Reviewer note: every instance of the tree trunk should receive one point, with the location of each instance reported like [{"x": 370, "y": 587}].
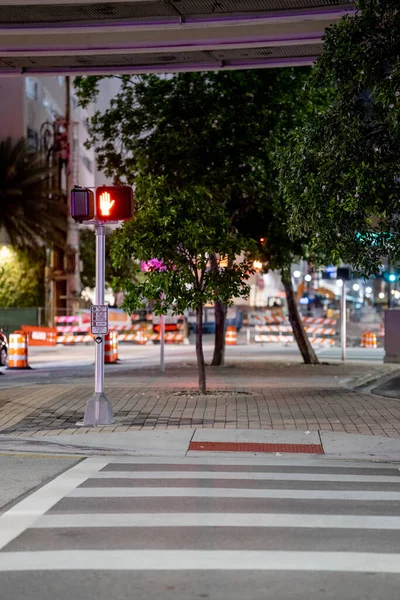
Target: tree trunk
[
  {"x": 199, "y": 350},
  {"x": 307, "y": 352},
  {"x": 219, "y": 346}
]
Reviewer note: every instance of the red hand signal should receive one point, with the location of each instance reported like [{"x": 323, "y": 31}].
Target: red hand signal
[{"x": 106, "y": 204}]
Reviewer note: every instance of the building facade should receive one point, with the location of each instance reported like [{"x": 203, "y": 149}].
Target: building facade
[{"x": 45, "y": 111}]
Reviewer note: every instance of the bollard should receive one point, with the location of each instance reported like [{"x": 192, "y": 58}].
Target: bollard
[
  {"x": 230, "y": 336},
  {"x": 18, "y": 351}
]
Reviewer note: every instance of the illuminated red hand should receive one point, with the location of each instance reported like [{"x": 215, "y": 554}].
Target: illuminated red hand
[{"x": 106, "y": 204}]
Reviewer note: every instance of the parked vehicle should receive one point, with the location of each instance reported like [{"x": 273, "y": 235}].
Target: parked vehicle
[{"x": 3, "y": 349}]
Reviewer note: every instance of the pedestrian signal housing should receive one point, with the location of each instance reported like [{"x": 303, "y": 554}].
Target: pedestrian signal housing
[
  {"x": 82, "y": 204},
  {"x": 114, "y": 203}
]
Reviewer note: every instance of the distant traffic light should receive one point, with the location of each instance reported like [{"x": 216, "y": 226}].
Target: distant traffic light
[
  {"x": 114, "y": 203},
  {"x": 391, "y": 277},
  {"x": 82, "y": 204}
]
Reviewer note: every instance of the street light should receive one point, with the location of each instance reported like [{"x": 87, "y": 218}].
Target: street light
[
  {"x": 5, "y": 252},
  {"x": 307, "y": 277},
  {"x": 368, "y": 290},
  {"x": 257, "y": 264},
  {"x": 381, "y": 295},
  {"x": 296, "y": 274},
  {"x": 392, "y": 277},
  {"x": 356, "y": 287}
]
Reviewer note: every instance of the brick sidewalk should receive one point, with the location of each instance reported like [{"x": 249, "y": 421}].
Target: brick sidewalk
[{"x": 257, "y": 396}]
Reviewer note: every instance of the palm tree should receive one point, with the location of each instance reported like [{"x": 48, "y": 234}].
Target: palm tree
[{"x": 31, "y": 212}]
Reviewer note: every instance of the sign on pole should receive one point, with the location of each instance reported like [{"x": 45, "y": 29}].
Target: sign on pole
[{"x": 99, "y": 319}]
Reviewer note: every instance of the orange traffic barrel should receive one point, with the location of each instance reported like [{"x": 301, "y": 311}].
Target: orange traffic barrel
[
  {"x": 230, "y": 335},
  {"x": 368, "y": 339},
  {"x": 18, "y": 350},
  {"x": 111, "y": 347},
  {"x": 141, "y": 337}
]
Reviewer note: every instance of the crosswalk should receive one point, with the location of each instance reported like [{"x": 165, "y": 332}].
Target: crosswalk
[{"x": 266, "y": 516}]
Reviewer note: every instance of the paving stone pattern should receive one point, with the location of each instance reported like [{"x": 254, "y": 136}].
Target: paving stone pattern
[{"x": 287, "y": 398}]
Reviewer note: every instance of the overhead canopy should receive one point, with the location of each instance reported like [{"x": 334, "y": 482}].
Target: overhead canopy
[{"x": 141, "y": 36}]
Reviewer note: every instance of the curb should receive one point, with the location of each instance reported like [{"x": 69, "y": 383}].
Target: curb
[
  {"x": 337, "y": 446},
  {"x": 355, "y": 383}
]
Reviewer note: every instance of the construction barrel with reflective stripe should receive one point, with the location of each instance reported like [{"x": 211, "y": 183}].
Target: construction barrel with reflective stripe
[
  {"x": 230, "y": 336},
  {"x": 18, "y": 350},
  {"x": 368, "y": 339},
  {"x": 111, "y": 347}
]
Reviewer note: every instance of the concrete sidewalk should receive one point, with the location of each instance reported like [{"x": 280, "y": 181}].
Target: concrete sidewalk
[
  {"x": 202, "y": 443},
  {"x": 263, "y": 396}
]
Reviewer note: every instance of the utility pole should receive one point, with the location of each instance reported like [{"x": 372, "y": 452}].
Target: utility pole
[
  {"x": 72, "y": 253},
  {"x": 343, "y": 321}
]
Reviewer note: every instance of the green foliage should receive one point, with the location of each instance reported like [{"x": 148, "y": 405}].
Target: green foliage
[
  {"x": 22, "y": 279},
  {"x": 183, "y": 229},
  {"x": 30, "y": 211},
  {"x": 218, "y": 130},
  {"x": 87, "y": 251},
  {"x": 340, "y": 174}
]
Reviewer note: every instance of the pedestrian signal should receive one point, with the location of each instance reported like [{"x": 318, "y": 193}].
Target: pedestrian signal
[
  {"x": 82, "y": 204},
  {"x": 114, "y": 203}
]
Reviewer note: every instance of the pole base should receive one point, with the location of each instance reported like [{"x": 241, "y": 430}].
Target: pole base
[{"x": 98, "y": 411}]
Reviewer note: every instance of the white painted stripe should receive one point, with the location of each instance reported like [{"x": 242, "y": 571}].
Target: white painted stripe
[
  {"x": 261, "y": 461},
  {"x": 180, "y": 492},
  {"x": 304, "y": 477},
  {"x": 24, "y": 514},
  {"x": 217, "y": 520},
  {"x": 199, "y": 560}
]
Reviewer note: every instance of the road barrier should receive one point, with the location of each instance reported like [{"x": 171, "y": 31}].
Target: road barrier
[
  {"x": 231, "y": 335},
  {"x": 276, "y": 330},
  {"x": 18, "y": 351},
  {"x": 40, "y": 336},
  {"x": 74, "y": 339},
  {"x": 73, "y": 330}
]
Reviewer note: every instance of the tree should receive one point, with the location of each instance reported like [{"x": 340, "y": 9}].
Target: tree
[
  {"x": 340, "y": 176},
  {"x": 30, "y": 211},
  {"x": 181, "y": 229},
  {"x": 21, "y": 278},
  {"x": 218, "y": 130}
]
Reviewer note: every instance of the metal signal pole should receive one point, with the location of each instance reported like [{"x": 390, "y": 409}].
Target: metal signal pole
[{"x": 98, "y": 408}]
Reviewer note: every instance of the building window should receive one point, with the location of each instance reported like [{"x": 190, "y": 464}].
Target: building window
[
  {"x": 32, "y": 139},
  {"x": 31, "y": 88},
  {"x": 88, "y": 163}
]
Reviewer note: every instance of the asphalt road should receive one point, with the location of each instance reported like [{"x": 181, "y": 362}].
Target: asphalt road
[
  {"x": 262, "y": 528},
  {"x": 63, "y": 362},
  {"x": 22, "y": 472}
]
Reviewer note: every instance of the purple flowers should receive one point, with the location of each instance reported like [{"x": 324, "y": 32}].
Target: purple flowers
[{"x": 153, "y": 265}]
